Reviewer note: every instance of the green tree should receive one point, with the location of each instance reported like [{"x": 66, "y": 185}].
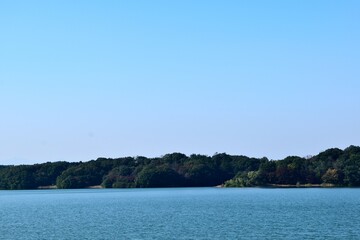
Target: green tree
[
  {"x": 162, "y": 176},
  {"x": 352, "y": 171},
  {"x": 332, "y": 176},
  {"x": 120, "y": 177}
]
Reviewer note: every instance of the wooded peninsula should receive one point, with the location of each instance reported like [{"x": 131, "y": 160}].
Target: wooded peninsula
[{"x": 333, "y": 167}]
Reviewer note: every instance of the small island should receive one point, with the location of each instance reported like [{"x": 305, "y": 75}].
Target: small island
[{"x": 331, "y": 168}]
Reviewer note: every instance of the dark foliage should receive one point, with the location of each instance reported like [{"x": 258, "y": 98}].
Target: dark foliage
[{"x": 333, "y": 166}]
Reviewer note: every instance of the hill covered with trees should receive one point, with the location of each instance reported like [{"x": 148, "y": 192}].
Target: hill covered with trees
[{"x": 333, "y": 167}]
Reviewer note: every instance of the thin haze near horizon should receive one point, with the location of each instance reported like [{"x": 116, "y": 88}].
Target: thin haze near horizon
[{"x": 87, "y": 79}]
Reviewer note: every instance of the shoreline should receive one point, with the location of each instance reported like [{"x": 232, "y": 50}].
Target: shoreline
[
  {"x": 273, "y": 186},
  {"x": 217, "y": 186},
  {"x": 324, "y": 185}
]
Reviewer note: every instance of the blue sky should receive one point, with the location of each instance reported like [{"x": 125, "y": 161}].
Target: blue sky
[{"x": 86, "y": 79}]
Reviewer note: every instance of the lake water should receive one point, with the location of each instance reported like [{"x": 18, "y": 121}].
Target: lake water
[{"x": 182, "y": 213}]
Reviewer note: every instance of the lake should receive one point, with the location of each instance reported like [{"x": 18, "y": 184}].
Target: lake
[{"x": 181, "y": 213}]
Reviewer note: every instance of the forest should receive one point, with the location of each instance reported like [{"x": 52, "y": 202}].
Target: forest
[{"x": 333, "y": 167}]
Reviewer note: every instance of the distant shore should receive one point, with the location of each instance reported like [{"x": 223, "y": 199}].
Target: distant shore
[
  {"x": 324, "y": 185},
  {"x": 222, "y": 186},
  {"x": 331, "y": 168},
  {"x": 55, "y": 187}
]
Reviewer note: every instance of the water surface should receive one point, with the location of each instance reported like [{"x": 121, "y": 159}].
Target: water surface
[{"x": 181, "y": 213}]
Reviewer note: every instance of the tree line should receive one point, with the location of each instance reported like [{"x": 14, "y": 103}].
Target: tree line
[{"x": 333, "y": 167}]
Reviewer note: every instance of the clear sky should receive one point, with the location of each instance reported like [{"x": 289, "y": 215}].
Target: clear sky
[{"x": 87, "y": 79}]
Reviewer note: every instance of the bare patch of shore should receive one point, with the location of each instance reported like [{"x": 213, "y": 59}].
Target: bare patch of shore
[
  {"x": 48, "y": 187},
  {"x": 95, "y": 187},
  {"x": 301, "y": 185}
]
